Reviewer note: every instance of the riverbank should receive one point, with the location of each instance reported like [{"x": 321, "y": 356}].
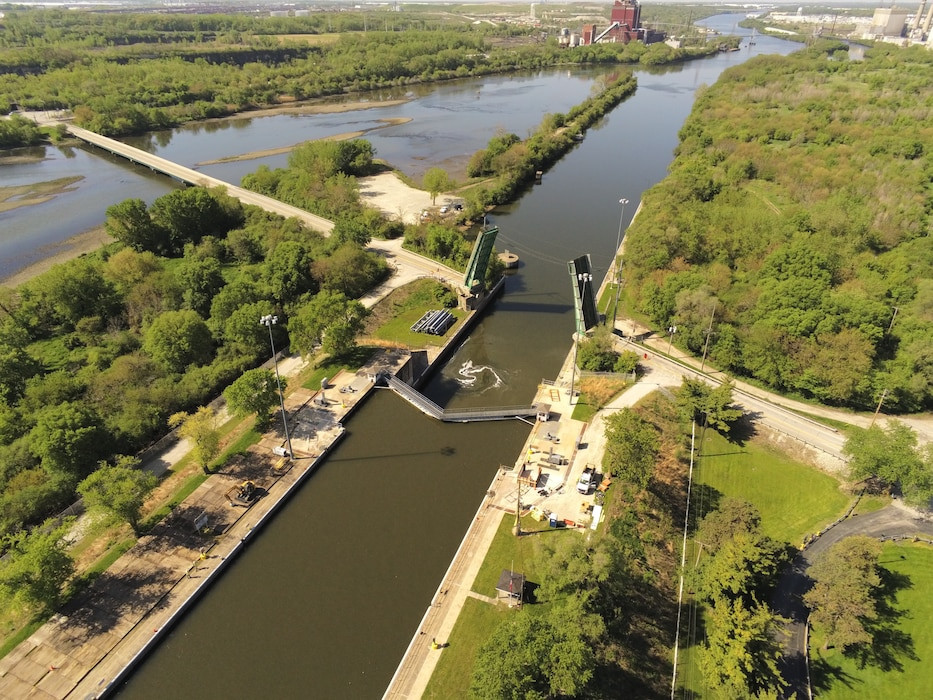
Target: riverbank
[
  {"x": 103, "y": 633},
  {"x": 385, "y": 192},
  {"x": 63, "y": 251}
]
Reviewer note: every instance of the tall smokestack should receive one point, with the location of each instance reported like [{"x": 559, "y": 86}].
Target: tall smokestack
[
  {"x": 928, "y": 21},
  {"x": 919, "y": 16}
]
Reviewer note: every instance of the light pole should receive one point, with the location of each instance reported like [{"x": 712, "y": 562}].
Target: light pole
[
  {"x": 672, "y": 329},
  {"x": 582, "y": 278},
  {"x": 615, "y": 259},
  {"x": 268, "y": 321}
]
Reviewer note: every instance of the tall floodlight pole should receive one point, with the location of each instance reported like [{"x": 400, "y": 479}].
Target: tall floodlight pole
[
  {"x": 671, "y": 329},
  {"x": 583, "y": 279},
  {"x": 618, "y": 266},
  {"x": 268, "y": 321}
]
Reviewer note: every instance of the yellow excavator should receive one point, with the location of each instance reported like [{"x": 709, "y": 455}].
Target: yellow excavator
[{"x": 243, "y": 493}]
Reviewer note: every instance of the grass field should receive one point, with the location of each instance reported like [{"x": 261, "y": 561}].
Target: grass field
[
  {"x": 329, "y": 366},
  {"x": 510, "y": 552},
  {"x": 794, "y": 499},
  {"x": 398, "y": 331},
  {"x": 391, "y": 319},
  {"x": 478, "y": 619},
  {"x": 910, "y": 657},
  {"x": 474, "y": 625}
]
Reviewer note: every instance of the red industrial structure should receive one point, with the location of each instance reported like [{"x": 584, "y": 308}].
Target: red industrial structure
[{"x": 624, "y": 26}]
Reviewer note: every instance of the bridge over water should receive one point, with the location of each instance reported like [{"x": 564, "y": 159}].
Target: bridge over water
[
  {"x": 407, "y": 265},
  {"x": 193, "y": 177},
  {"x": 428, "y": 407}
]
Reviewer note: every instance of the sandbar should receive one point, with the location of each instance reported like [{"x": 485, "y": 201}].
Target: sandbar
[
  {"x": 62, "y": 251},
  {"x": 252, "y": 155},
  {"x": 17, "y": 196}
]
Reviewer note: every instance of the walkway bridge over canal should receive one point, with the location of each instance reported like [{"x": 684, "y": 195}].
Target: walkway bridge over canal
[{"x": 467, "y": 415}]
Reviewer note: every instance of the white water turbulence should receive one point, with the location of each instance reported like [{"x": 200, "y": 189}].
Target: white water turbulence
[{"x": 480, "y": 377}]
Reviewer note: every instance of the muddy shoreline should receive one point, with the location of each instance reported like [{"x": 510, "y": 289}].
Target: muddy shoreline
[
  {"x": 93, "y": 239},
  {"x": 62, "y": 251}
]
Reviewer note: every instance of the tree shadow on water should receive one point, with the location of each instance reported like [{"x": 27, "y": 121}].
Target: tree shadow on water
[{"x": 889, "y": 645}]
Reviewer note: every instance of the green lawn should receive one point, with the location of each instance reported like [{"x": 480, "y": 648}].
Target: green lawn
[
  {"x": 516, "y": 553},
  {"x": 392, "y": 318},
  {"x": 330, "y": 366},
  {"x": 398, "y": 330},
  {"x": 869, "y": 503},
  {"x": 836, "y": 677},
  {"x": 478, "y": 619},
  {"x": 474, "y": 625},
  {"x": 794, "y": 499}
]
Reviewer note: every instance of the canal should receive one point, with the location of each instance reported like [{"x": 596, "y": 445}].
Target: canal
[{"x": 325, "y": 600}]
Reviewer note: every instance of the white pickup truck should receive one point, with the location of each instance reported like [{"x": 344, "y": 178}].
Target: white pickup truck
[{"x": 586, "y": 480}]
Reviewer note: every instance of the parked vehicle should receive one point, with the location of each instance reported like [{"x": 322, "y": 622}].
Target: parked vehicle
[{"x": 586, "y": 480}]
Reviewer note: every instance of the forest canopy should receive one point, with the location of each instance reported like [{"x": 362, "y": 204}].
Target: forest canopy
[
  {"x": 797, "y": 214},
  {"x": 99, "y": 352},
  {"x": 131, "y": 73}
]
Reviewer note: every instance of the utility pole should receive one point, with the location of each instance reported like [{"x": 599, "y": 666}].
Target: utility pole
[
  {"x": 709, "y": 332},
  {"x": 671, "y": 329},
  {"x": 878, "y": 409},
  {"x": 893, "y": 316}
]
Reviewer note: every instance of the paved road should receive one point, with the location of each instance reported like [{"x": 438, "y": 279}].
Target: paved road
[
  {"x": 194, "y": 177},
  {"x": 760, "y": 405},
  {"x": 893, "y": 521}
]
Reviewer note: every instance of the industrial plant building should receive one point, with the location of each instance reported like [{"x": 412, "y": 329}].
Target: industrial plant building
[{"x": 624, "y": 26}]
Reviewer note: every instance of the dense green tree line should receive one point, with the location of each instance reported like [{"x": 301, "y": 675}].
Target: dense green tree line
[
  {"x": 740, "y": 653},
  {"x": 797, "y": 214},
  {"x": 603, "y": 618},
  {"x": 845, "y": 596},
  {"x": 18, "y": 131},
  {"x": 132, "y": 73},
  {"x": 99, "y": 352},
  {"x": 891, "y": 458}
]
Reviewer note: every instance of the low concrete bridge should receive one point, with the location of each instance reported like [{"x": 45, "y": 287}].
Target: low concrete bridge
[
  {"x": 469, "y": 415},
  {"x": 406, "y": 264},
  {"x": 193, "y": 177}
]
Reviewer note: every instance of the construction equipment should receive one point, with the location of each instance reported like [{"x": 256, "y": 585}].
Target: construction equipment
[{"x": 244, "y": 493}]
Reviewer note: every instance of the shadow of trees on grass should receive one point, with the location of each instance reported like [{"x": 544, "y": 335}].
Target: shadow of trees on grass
[{"x": 890, "y": 646}]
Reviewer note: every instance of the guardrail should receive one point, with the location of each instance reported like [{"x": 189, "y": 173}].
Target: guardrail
[
  {"x": 465, "y": 415},
  {"x": 697, "y": 374}
]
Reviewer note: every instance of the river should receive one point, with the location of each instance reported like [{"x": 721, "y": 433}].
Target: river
[{"x": 325, "y": 600}]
